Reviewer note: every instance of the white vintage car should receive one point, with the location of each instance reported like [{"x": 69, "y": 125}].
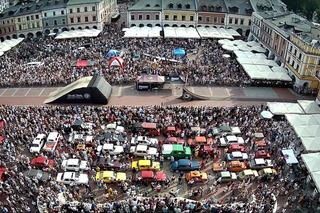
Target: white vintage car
[
  {"x": 114, "y": 127},
  {"x": 230, "y": 139},
  {"x": 74, "y": 164},
  {"x": 144, "y": 140},
  {"x": 142, "y": 150},
  {"x": 72, "y": 178},
  {"x": 38, "y": 143},
  {"x": 226, "y": 176},
  {"x": 52, "y": 142},
  {"x": 110, "y": 148},
  {"x": 237, "y": 156}
]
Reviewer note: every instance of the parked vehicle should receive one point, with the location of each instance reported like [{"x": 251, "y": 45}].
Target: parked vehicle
[
  {"x": 38, "y": 143},
  {"x": 197, "y": 176},
  {"x": 142, "y": 150},
  {"x": 237, "y": 156},
  {"x": 37, "y": 174},
  {"x": 72, "y": 178},
  {"x": 236, "y": 166},
  {"x": 74, "y": 164},
  {"x": 230, "y": 139},
  {"x": 176, "y": 150},
  {"x": 267, "y": 172},
  {"x": 219, "y": 166},
  {"x": 260, "y": 163},
  {"x": 248, "y": 173},
  {"x": 172, "y": 131},
  {"x": 110, "y": 149},
  {"x": 52, "y": 142},
  {"x": 236, "y": 148},
  {"x": 144, "y": 140},
  {"x": 185, "y": 165},
  {"x": 149, "y": 176},
  {"x": 226, "y": 176},
  {"x": 111, "y": 176},
  {"x": 43, "y": 162},
  {"x": 145, "y": 165},
  {"x": 262, "y": 154},
  {"x": 175, "y": 140},
  {"x": 198, "y": 140}
]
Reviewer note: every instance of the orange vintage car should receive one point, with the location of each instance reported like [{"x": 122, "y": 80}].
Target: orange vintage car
[
  {"x": 198, "y": 140},
  {"x": 219, "y": 166},
  {"x": 172, "y": 131},
  {"x": 151, "y": 129},
  {"x": 261, "y": 144},
  {"x": 197, "y": 176},
  {"x": 236, "y": 166}
]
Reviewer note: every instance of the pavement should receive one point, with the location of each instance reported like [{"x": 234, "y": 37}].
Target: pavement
[{"x": 129, "y": 96}]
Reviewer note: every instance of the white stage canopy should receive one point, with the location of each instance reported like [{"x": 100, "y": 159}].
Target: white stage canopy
[
  {"x": 78, "y": 34},
  {"x": 312, "y": 162},
  {"x": 309, "y": 107},
  {"x": 282, "y": 108},
  {"x": 9, "y": 44},
  {"x": 264, "y": 72},
  {"x": 311, "y": 144},
  {"x": 305, "y": 125},
  {"x": 210, "y": 32},
  {"x": 243, "y": 46},
  {"x": 180, "y": 32},
  {"x": 142, "y": 32}
]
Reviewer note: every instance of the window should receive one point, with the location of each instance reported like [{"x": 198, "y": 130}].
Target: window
[
  {"x": 71, "y": 20},
  {"x": 132, "y": 17},
  {"x": 300, "y": 56},
  {"x": 241, "y": 21},
  {"x": 222, "y": 20},
  {"x": 70, "y": 11},
  {"x": 28, "y": 19},
  {"x": 183, "y": 18},
  {"x": 298, "y": 67},
  {"x": 215, "y": 19},
  {"x": 295, "y": 52},
  {"x": 20, "y": 28},
  {"x": 230, "y": 20},
  {"x": 47, "y": 24},
  {"x": 54, "y": 13},
  {"x": 166, "y": 17},
  {"x": 33, "y": 26},
  {"x": 86, "y": 19},
  {"x": 94, "y": 18},
  {"x": 319, "y": 62},
  {"x": 93, "y": 8},
  {"x": 207, "y": 19},
  {"x": 191, "y": 18},
  {"x": 62, "y": 12},
  {"x": 157, "y": 17},
  {"x": 175, "y": 18},
  {"x": 78, "y": 10},
  {"x": 200, "y": 18},
  {"x": 148, "y": 17},
  {"x": 236, "y": 21},
  {"x": 63, "y": 21},
  {"x": 45, "y": 14},
  {"x": 290, "y": 50},
  {"x": 79, "y": 19},
  {"x": 37, "y": 16},
  {"x": 85, "y": 9},
  {"x": 249, "y": 22},
  {"x": 19, "y": 19},
  {"x": 140, "y": 17},
  {"x": 55, "y": 22}
]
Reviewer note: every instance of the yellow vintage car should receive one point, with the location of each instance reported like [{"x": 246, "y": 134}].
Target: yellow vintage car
[
  {"x": 145, "y": 165},
  {"x": 197, "y": 176},
  {"x": 267, "y": 171},
  {"x": 111, "y": 176}
]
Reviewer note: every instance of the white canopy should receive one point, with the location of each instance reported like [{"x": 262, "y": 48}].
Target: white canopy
[
  {"x": 311, "y": 144},
  {"x": 312, "y": 162},
  {"x": 8, "y": 44},
  {"x": 264, "y": 72},
  {"x": 78, "y": 34},
  {"x": 180, "y": 32},
  {"x": 305, "y": 125},
  {"x": 289, "y": 156},
  {"x": 210, "y": 32},
  {"x": 279, "y": 108},
  {"x": 142, "y": 32},
  {"x": 309, "y": 107},
  {"x": 244, "y": 46},
  {"x": 316, "y": 179}
]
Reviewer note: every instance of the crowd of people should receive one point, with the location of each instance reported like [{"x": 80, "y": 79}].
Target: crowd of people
[
  {"x": 203, "y": 65},
  {"x": 19, "y": 193}
]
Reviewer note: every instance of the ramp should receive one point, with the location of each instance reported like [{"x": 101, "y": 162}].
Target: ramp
[
  {"x": 189, "y": 95},
  {"x": 87, "y": 90}
]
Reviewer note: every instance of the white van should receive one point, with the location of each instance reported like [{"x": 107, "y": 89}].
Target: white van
[{"x": 37, "y": 143}]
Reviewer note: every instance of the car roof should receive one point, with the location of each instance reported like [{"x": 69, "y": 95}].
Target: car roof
[
  {"x": 142, "y": 147},
  {"x": 39, "y": 159},
  {"x": 108, "y": 146},
  {"x": 237, "y": 154},
  {"x": 259, "y": 161},
  {"x": 225, "y": 174},
  {"x": 184, "y": 162},
  {"x": 73, "y": 161},
  {"x": 177, "y": 147},
  {"x": 53, "y": 135},
  {"x": 149, "y": 125},
  {"x": 147, "y": 174},
  {"x": 144, "y": 162},
  {"x": 68, "y": 174},
  {"x": 108, "y": 174}
]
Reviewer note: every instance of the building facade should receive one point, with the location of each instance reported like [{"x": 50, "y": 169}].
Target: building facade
[
  {"x": 145, "y": 13},
  {"x": 4, "y": 4},
  {"x": 54, "y": 16},
  {"x": 7, "y": 24},
  {"x": 211, "y": 13}
]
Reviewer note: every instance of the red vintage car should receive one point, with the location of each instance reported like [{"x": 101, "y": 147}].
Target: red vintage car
[
  {"x": 149, "y": 176},
  {"x": 198, "y": 140},
  {"x": 172, "y": 131},
  {"x": 175, "y": 140},
  {"x": 236, "y": 148},
  {"x": 43, "y": 162},
  {"x": 151, "y": 129},
  {"x": 262, "y": 154}
]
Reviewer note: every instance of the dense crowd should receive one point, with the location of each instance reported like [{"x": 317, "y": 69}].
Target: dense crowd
[
  {"x": 19, "y": 193},
  {"x": 203, "y": 65}
]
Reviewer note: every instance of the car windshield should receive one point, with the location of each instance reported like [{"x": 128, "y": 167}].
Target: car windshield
[{"x": 34, "y": 145}]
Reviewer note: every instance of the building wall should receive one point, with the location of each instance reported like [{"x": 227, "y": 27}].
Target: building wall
[
  {"x": 211, "y": 18},
  {"x": 173, "y": 17},
  {"x": 55, "y": 19},
  {"x": 31, "y": 23},
  {"x": 241, "y": 23},
  {"x": 139, "y": 18},
  {"x": 7, "y": 28},
  {"x": 3, "y": 5},
  {"x": 83, "y": 16}
]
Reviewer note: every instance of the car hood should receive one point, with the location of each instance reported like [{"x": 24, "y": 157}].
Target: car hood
[{"x": 83, "y": 178}]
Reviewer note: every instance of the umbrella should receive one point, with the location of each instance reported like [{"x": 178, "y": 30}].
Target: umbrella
[{"x": 266, "y": 114}]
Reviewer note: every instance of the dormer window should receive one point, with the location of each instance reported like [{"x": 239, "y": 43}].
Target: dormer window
[
  {"x": 179, "y": 6},
  {"x": 170, "y": 5},
  {"x": 219, "y": 8},
  {"x": 188, "y": 6},
  {"x": 204, "y": 8},
  {"x": 157, "y": 5},
  {"x": 211, "y": 8},
  {"x": 148, "y": 5}
]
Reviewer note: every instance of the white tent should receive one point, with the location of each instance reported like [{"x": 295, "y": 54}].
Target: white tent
[
  {"x": 289, "y": 156},
  {"x": 9, "y": 44},
  {"x": 316, "y": 179},
  {"x": 78, "y": 34},
  {"x": 180, "y": 32},
  {"x": 309, "y": 107},
  {"x": 210, "y": 32},
  {"x": 142, "y": 32},
  {"x": 312, "y": 161},
  {"x": 311, "y": 144},
  {"x": 279, "y": 108},
  {"x": 302, "y": 120},
  {"x": 263, "y": 72}
]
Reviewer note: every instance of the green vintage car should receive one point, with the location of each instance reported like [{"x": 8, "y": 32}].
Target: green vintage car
[{"x": 176, "y": 150}]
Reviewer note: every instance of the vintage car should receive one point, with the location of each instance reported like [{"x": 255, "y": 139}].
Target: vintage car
[
  {"x": 260, "y": 163},
  {"x": 237, "y": 156},
  {"x": 2, "y": 174},
  {"x": 145, "y": 165},
  {"x": 267, "y": 172},
  {"x": 142, "y": 150},
  {"x": 78, "y": 138},
  {"x": 114, "y": 127},
  {"x": 230, "y": 139},
  {"x": 236, "y": 166},
  {"x": 149, "y": 176},
  {"x": 144, "y": 140},
  {"x": 236, "y": 148},
  {"x": 175, "y": 150},
  {"x": 248, "y": 173},
  {"x": 43, "y": 162},
  {"x": 226, "y": 176},
  {"x": 175, "y": 140},
  {"x": 198, "y": 130},
  {"x": 262, "y": 154},
  {"x": 110, "y": 148},
  {"x": 258, "y": 136},
  {"x": 260, "y": 144},
  {"x": 172, "y": 131},
  {"x": 111, "y": 176},
  {"x": 74, "y": 164},
  {"x": 151, "y": 129},
  {"x": 197, "y": 176},
  {"x": 206, "y": 150},
  {"x": 198, "y": 140},
  {"x": 37, "y": 174},
  {"x": 103, "y": 164},
  {"x": 219, "y": 166},
  {"x": 37, "y": 143},
  {"x": 52, "y": 142},
  {"x": 85, "y": 147},
  {"x": 72, "y": 178},
  {"x": 185, "y": 165}
]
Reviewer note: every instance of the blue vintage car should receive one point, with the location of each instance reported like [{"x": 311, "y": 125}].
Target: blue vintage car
[{"x": 185, "y": 165}]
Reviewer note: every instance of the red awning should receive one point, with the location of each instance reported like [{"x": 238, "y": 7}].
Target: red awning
[{"x": 82, "y": 63}]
